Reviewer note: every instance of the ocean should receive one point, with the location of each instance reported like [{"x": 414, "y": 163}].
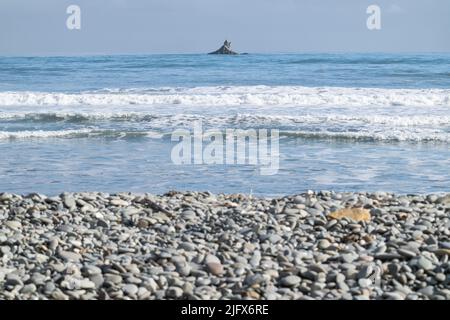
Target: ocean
[{"x": 346, "y": 122}]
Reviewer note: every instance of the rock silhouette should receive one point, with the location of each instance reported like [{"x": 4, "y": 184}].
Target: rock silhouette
[{"x": 225, "y": 49}]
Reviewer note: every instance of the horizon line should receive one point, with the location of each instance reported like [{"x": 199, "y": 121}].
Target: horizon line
[{"x": 244, "y": 53}]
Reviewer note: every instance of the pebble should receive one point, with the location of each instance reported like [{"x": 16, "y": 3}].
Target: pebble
[
  {"x": 364, "y": 283},
  {"x": 29, "y": 288},
  {"x": 70, "y": 256},
  {"x": 130, "y": 289},
  {"x": 407, "y": 253},
  {"x": 90, "y": 270},
  {"x": 13, "y": 224},
  {"x": 70, "y": 203},
  {"x": 365, "y": 271},
  {"x": 393, "y": 296},
  {"x": 187, "y": 246},
  {"x": 348, "y": 258},
  {"x": 427, "y": 291},
  {"x": 324, "y": 244},
  {"x": 119, "y": 203},
  {"x": 13, "y": 280},
  {"x": 290, "y": 281},
  {"x": 441, "y": 277},
  {"x": 424, "y": 263},
  {"x": 174, "y": 292},
  {"x": 97, "y": 279},
  {"x": 198, "y": 245},
  {"x": 215, "y": 268},
  {"x": 113, "y": 278},
  {"x": 102, "y": 223},
  {"x": 143, "y": 223}
]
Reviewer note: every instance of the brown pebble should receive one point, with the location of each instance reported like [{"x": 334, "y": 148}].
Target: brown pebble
[
  {"x": 215, "y": 268},
  {"x": 142, "y": 223},
  {"x": 357, "y": 214}
]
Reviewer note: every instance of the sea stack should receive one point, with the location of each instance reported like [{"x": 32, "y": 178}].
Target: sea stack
[{"x": 225, "y": 49}]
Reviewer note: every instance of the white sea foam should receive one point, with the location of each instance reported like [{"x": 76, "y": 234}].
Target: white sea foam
[
  {"x": 334, "y": 126},
  {"x": 374, "y": 136},
  {"x": 77, "y": 133},
  {"x": 234, "y": 119},
  {"x": 397, "y": 135},
  {"x": 42, "y": 134},
  {"x": 235, "y": 96},
  {"x": 314, "y": 113}
]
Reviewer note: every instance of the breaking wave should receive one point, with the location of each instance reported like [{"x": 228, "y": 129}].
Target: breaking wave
[{"x": 234, "y": 96}]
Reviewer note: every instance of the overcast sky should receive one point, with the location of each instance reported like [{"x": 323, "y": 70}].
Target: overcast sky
[{"x": 191, "y": 26}]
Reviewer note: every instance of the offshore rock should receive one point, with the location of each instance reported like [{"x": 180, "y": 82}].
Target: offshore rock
[{"x": 225, "y": 49}]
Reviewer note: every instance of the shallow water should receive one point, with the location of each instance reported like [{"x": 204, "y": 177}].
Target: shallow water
[{"x": 347, "y": 122}]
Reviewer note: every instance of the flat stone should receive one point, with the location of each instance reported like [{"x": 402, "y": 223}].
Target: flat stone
[
  {"x": 28, "y": 288},
  {"x": 130, "y": 289},
  {"x": 97, "y": 279},
  {"x": 427, "y": 291},
  {"x": 441, "y": 277},
  {"x": 442, "y": 252},
  {"x": 393, "y": 296},
  {"x": 365, "y": 272},
  {"x": 90, "y": 270},
  {"x": 143, "y": 223},
  {"x": 324, "y": 244},
  {"x": 113, "y": 278},
  {"x": 388, "y": 256},
  {"x": 364, "y": 283},
  {"x": 13, "y": 224},
  {"x": 69, "y": 203},
  {"x": 70, "y": 256},
  {"x": 291, "y": 211},
  {"x": 299, "y": 200},
  {"x": 188, "y": 215},
  {"x": 102, "y": 223},
  {"x": 119, "y": 203},
  {"x": 349, "y": 257},
  {"x": 38, "y": 278},
  {"x": 275, "y": 238},
  {"x": 212, "y": 259},
  {"x": 290, "y": 281},
  {"x": 215, "y": 268},
  {"x": 188, "y": 246},
  {"x": 407, "y": 253},
  {"x": 87, "y": 284},
  {"x": 13, "y": 280},
  {"x": 357, "y": 214},
  {"x": 424, "y": 263}
]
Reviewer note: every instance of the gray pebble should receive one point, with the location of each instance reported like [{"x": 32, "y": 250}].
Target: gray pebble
[{"x": 290, "y": 281}]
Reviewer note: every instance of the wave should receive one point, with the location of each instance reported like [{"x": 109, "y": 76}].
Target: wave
[
  {"x": 18, "y": 135},
  {"x": 234, "y": 96},
  {"x": 323, "y": 135},
  {"x": 393, "y": 136},
  {"x": 227, "y": 120},
  {"x": 360, "y": 127},
  {"x": 81, "y": 133}
]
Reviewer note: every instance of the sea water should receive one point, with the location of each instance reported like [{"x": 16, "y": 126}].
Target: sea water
[{"x": 347, "y": 122}]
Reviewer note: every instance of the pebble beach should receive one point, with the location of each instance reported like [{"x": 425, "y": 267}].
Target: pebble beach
[{"x": 199, "y": 245}]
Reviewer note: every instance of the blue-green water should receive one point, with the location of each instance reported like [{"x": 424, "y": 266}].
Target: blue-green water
[{"x": 347, "y": 121}]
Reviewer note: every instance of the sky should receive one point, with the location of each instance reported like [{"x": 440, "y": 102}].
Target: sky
[{"x": 197, "y": 26}]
